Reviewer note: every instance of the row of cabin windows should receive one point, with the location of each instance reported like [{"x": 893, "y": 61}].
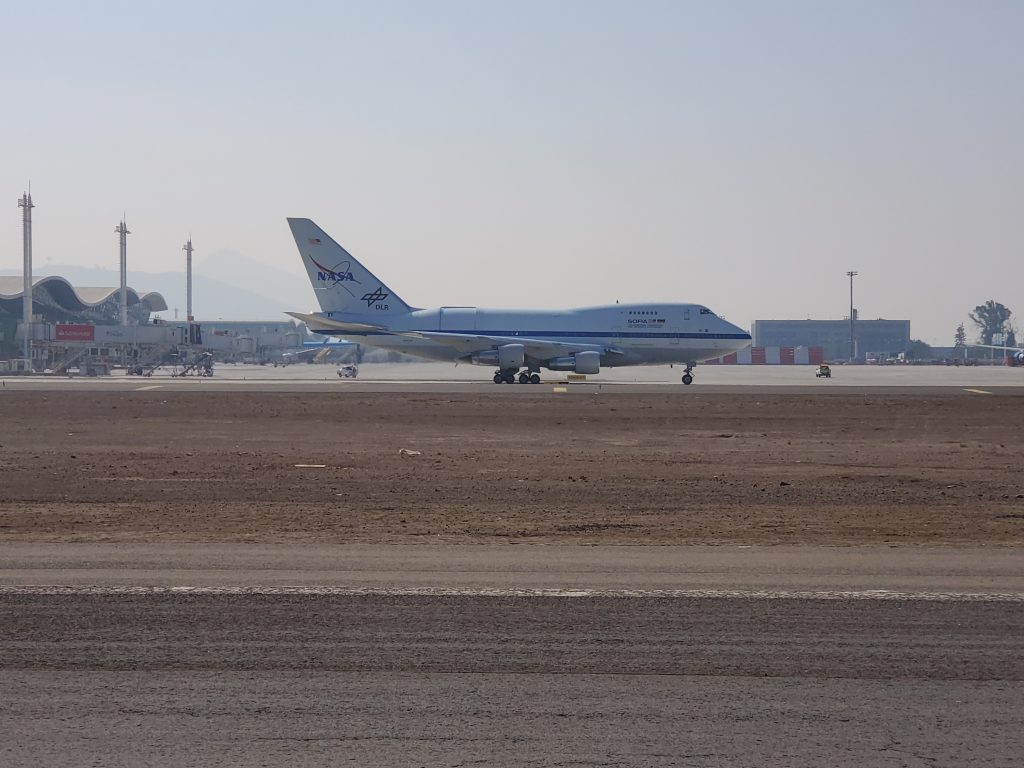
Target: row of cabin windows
[{"x": 641, "y": 312}]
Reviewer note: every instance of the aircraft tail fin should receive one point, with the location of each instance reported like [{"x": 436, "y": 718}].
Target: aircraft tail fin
[{"x": 340, "y": 282}]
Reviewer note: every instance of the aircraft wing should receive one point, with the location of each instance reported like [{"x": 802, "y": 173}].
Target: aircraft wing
[
  {"x": 994, "y": 346},
  {"x": 539, "y": 348},
  {"x": 467, "y": 342}
]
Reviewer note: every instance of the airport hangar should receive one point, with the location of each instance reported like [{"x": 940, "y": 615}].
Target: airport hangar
[{"x": 871, "y": 337}]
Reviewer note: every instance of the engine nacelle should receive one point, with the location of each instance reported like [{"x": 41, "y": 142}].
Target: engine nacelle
[
  {"x": 588, "y": 362},
  {"x": 581, "y": 362},
  {"x": 506, "y": 356},
  {"x": 511, "y": 356}
]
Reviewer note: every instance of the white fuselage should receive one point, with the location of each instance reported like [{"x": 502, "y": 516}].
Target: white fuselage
[{"x": 624, "y": 334}]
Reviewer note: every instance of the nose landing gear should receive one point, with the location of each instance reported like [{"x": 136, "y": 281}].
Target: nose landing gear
[{"x": 688, "y": 374}]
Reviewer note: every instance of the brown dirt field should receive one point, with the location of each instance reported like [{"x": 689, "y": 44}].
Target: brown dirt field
[{"x": 605, "y": 469}]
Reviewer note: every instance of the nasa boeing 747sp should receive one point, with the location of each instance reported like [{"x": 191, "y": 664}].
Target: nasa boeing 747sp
[{"x": 518, "y": 343}]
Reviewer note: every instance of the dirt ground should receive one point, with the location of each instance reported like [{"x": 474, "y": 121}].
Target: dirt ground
[{"x": 608, "y": 469}]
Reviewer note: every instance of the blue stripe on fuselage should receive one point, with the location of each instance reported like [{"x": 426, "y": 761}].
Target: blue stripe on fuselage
[{"x": 558, "y": 334}]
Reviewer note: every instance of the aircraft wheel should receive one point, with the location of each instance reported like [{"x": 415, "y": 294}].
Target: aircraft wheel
[
  {"x": 687, "y": 379},
  {"x": 534, "y": 378},
  {"x": 510, "y": 377},
  {"x": 524, "y": 378},
  {"x": 498, "y": 378}
]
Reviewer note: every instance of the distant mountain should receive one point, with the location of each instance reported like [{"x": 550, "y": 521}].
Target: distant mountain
[
  {"x": 239, "y": 294},
  {"x": 290, "y": 287}
]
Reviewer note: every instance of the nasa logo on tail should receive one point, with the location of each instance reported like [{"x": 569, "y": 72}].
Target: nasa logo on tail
[{"x": 339, "y": 274}]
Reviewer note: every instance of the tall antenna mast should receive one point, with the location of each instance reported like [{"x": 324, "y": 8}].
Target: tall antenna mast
[
  {"x": 122, "y": 230},
  {"x": 188, "y": 278},
  {"x": 25, "y": 203},
  {"x": 853, "y": 316}
]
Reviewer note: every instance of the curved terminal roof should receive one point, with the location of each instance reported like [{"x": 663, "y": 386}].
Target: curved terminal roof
[{"x": 75, "y": 299}]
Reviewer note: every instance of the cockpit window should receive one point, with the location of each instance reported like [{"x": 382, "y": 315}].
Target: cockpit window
[{"x": 706, "y": 311}]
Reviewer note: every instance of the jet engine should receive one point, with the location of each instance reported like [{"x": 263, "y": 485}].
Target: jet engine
[
  {"x": 511, "y": 356},
  {"x": 581, "y": 362},
  {"x": 505, "y": 357}
]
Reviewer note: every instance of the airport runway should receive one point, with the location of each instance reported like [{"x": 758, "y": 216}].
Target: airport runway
[
  {"x": 436, "y": 569},
  {"x": 626, "y": 656},
  {"x": 242, "y": 655},
  {"x": 440, "y": 378}
]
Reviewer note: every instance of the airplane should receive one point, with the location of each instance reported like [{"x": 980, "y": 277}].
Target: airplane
[
  {"x": 317, "y": 351},
  {"x": 305, "y": 355},
  {"x": 517, "y": 342},
  {"x": 1017, "y": 356}
]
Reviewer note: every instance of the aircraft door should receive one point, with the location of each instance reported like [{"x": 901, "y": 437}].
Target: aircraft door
[
  {"x": 458, "y": 319},
  {"x": 621, "y": 325}
]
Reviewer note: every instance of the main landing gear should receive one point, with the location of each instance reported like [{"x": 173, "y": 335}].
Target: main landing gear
[
  {"x": 508, "y": 376},
  {"x": 688, "y": 374}
]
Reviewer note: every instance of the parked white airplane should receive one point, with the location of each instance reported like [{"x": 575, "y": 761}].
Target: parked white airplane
[
  {"x": 1018, "y": 352},
  {"x": 359, "y": 306}
]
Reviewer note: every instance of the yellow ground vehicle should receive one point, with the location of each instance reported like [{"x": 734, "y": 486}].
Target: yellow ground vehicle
[{"x": 823, "y": 372}]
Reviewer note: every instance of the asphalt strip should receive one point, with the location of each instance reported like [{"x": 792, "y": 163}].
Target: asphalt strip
[{"x": 729, "y": 594}]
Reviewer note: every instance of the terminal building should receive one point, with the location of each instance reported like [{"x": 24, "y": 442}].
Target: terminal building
[
  {"x": 49, "y": 325},
  {"x": 883, "y": 338},
  {"x": 75, "y": 324},
  {"x": 76, "y": 327}
]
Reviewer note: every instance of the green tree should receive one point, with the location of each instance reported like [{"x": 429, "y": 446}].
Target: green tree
[
  {"x": 991, "y": 318},
  {"x": 960, "y": 340},
  {"x": 918, "y": 350}
]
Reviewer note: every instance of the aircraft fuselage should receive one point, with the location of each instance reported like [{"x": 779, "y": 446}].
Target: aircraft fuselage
[{"x": 624, "y": 334}]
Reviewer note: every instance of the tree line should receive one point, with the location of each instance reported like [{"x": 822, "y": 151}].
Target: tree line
[{"x": 992, "y": 320}]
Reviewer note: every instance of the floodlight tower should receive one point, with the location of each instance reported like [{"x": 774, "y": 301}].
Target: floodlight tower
[
  {"x": 25, "y": 203},
  {"x": 188, "y": 278},
  {"x": 853, "y": 343},
  {"x": 122, "y": 231}
]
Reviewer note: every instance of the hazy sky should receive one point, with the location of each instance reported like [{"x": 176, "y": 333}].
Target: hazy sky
[{"x": 539, "y": 154}]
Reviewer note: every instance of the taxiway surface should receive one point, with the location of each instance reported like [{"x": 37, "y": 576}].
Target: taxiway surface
[
  {"x": 440, "y": 378},
  {"x": 191, "y": 655},
  {"x": 433, "y": 569},
  {"x": 191, "y": 679}
]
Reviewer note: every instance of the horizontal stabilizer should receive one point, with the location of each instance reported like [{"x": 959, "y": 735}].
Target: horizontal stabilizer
[{"x": 321, "y": 323}]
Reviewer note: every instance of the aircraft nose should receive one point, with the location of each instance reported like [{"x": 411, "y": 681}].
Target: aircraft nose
[{"x": 742, "y": 337}]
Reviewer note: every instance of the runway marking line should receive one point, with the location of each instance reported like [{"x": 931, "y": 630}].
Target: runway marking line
[
  {"x": 151, "y": 386},
  {"x": 978, "y": 391},
  {"x": 560, "y": 389}
]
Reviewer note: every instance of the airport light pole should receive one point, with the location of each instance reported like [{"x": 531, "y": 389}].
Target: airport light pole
[
  {"x": 188, "y": 278},
  {"x": 122, "y": 231},
  {"x": 25, "y": 203},
  {"x": 853, "y": 344}
]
